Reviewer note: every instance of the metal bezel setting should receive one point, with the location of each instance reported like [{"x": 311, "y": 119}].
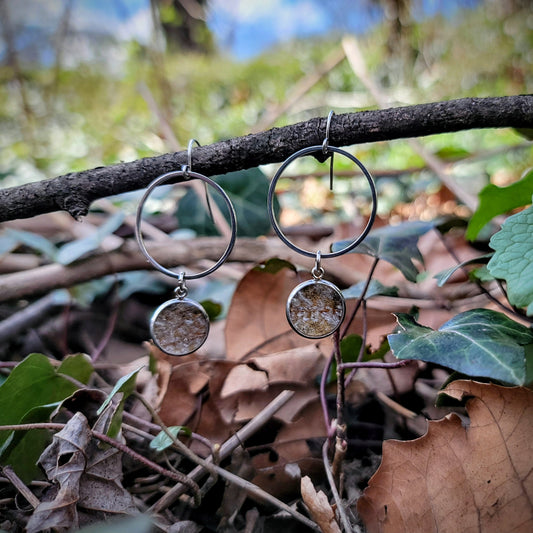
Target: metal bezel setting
[
  {"x": 188, "y": 305},
  {"x": 304, "y": 332}
]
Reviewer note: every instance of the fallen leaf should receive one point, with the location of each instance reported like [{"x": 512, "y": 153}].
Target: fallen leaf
[
  {"x": 455, "y": 478},
  {"x": 296, "y": 366},
  {"x": 86, "y": 481},
  {"x": 193, "y": 399},
  {"x": 244, "y": 378},
  {"x": 256, "y": 323},
  {"x": 64, "y": 463},
  {"x": 319, "y": 507},
  {"x": 290, "y": 447}
]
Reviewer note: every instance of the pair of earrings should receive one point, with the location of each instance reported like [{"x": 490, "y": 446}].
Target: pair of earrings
[{"x": 315, "y": 309}]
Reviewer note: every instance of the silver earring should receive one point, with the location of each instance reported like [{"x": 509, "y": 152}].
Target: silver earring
[
  {"x": 180, "y": 326},
  {"x": 316, "y": 308}
]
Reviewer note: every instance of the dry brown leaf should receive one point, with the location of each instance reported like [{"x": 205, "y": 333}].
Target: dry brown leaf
[
  {"x": 244, "y": 378},
  {"x": 291, "y": 447},
  {"x": 319, "y": 507},
  {"x": 88, "y": 479},
  {"x": 470, "y": 479},
  {"x": 256, "y": 323},
  {"x": 299, "y": 365},
  {"x": 63, "y": 462},
  {"x": 184, "y": 404}
]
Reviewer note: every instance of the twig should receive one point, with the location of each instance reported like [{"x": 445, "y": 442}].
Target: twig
[
  {"x": 75, "y": 192},
  {"x": 109, "y": 329},
  {"x": 395, "y": 406},
  {"x": 169, "y": 253},
  {"x": 340, "y": 425},
  {"x": 327, "y": 367},
  {"x": 361, "y": 354},
  {"x": 181, "y": 478},
  {"x": 29, "y": 317},
  {"x": 20, "y": 486},
  {"x": 173, "y": 144},
  {"x": 225, "y": 450},
  {"x": 299, "y": 89},
  {"x": 340, "y": 507},
  {"x": 361, "y": 298},
  {"x": 357, "y": 62},
  {"x": 215, "y": 470},
  {"x": 375, "y": 364}
]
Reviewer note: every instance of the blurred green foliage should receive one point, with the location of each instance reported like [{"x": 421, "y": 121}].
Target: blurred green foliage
[{"x": 57, "y": 120}]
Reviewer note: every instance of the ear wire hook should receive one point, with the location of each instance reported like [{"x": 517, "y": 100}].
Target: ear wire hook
[
  {"x": 188, "y": 167},
  {"x": 325, "y": 146}
]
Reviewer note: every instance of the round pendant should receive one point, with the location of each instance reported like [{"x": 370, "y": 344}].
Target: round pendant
[
  {"x": 315, "y": 309},
  {"x": 179, "y": 326}
]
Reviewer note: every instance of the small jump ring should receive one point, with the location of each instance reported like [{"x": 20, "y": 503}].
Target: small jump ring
[
  {"x": 208, "y": 181},
  {"x": 272, "y": 188},
  {"x": 317, "y": 271},
  {"x": 325, "y": 144}
]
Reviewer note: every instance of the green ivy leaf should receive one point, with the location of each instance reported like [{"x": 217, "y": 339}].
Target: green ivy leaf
[
  {"x": 125, "y": 385},
  {"x": 396, "y": 244},
  {"x": 247, "y": 190},
  {"x": 480, "y": 342},
  {"x": 32, "y": 383},
  {"x": 494, "y": 201},
  {"x": 29, "y": 394},
  {"x": 513, "y": 260},
  {"x": 78, "y": 366},
  {"x": 162, "y": 441},
  {"x": 445, "y": 275},
  {"x": 213, "y": 309},
  {"x": 274, "y": 265},
  {"x": 375, "y": 288},
  {"x": 23, "y": 448}
]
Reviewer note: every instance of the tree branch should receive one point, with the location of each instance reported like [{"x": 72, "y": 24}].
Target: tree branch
[{"x": 76, "y": 191}]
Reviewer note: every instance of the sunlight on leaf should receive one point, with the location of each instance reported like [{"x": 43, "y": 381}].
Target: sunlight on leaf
[
  {"x": 494, "y": 201},
  {"x": 513, "y": 260},
  {"x": 480, "y": 342},
  {"x": 78, "y": 366}
]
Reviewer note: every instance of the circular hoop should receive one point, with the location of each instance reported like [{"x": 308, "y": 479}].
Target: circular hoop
[
  {"x": 186, "y": 174},
  {"x": 270, "y": 202}
]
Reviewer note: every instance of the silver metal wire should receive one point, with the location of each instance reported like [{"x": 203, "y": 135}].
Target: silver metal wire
[
  {"x": 325, "y": 144},
  {"x": 272, "y": 190},
  {"x": 185, "y": 174}
]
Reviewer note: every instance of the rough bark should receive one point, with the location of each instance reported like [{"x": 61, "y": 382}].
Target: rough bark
[{"x": 75, "y": 192}]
